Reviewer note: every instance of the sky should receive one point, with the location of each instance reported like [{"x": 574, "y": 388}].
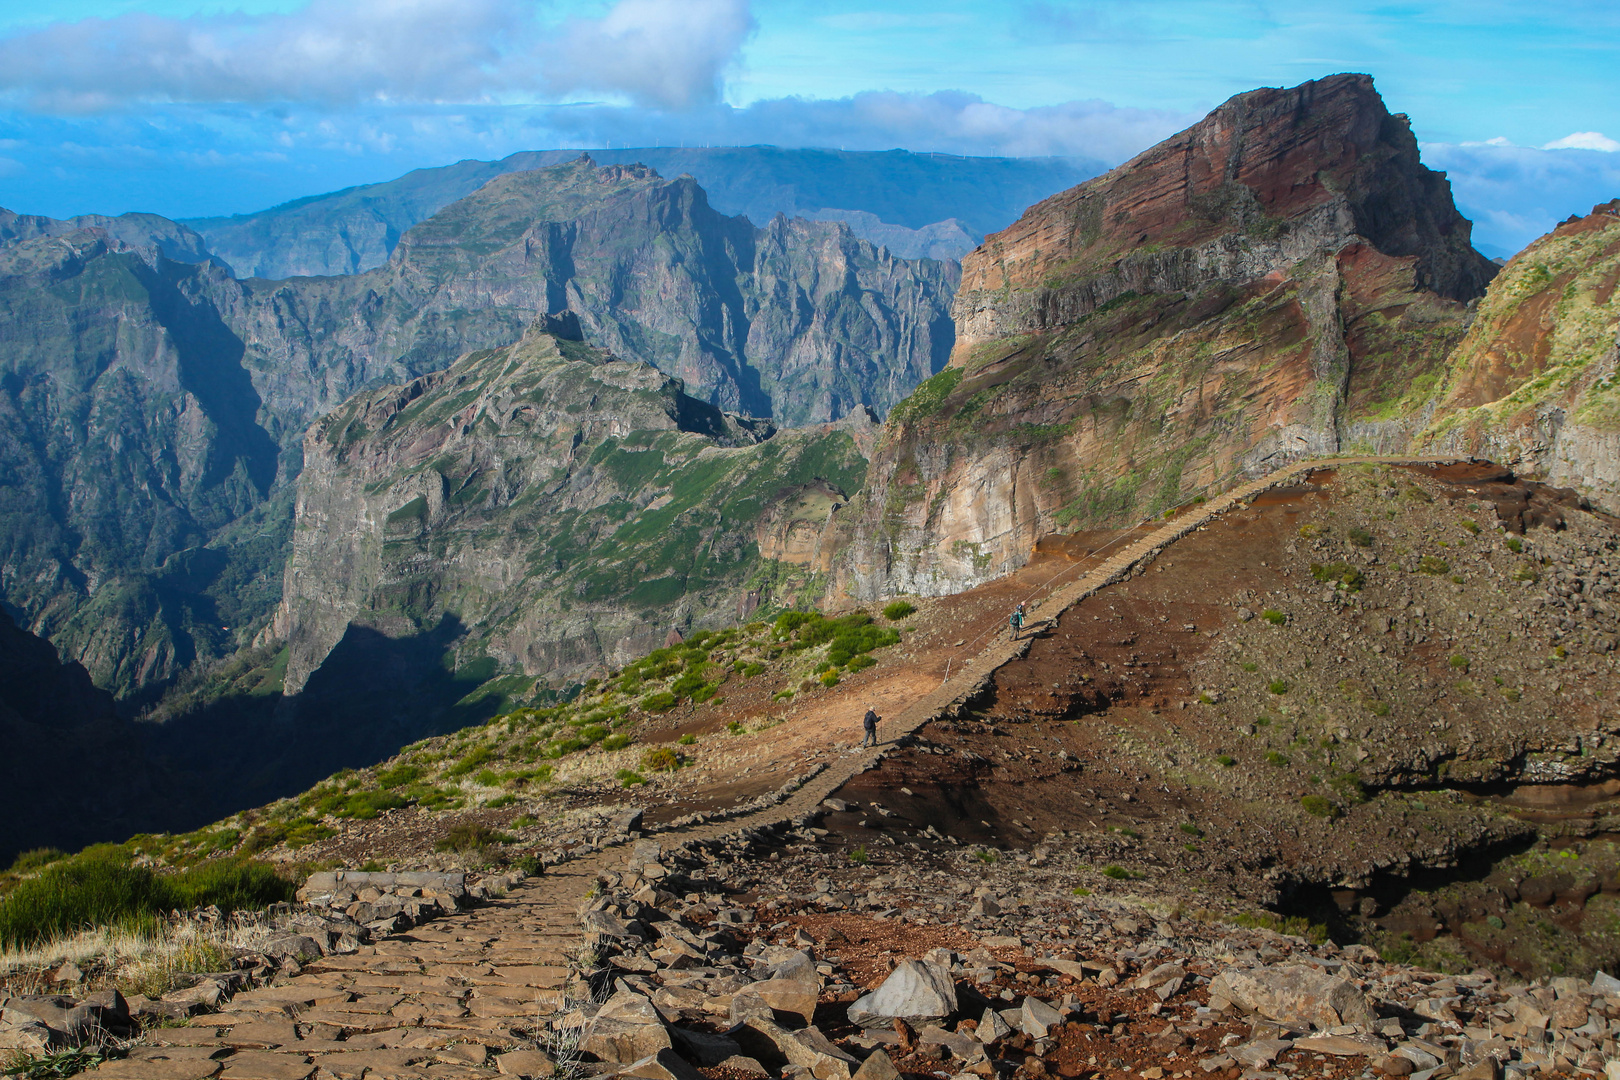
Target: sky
[{"x": 201, "y": 107}]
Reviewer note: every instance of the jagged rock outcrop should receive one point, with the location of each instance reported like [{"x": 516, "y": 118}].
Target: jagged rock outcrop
[
  {"x": 917, "y": 205},
  {"x": 1241, "y": 295},
  {"x": 1533, "y": 385},
  {"x": 561, "y": 506},
  {"x": 152, "y": 410},
  {"x": 130, "y": 436}
]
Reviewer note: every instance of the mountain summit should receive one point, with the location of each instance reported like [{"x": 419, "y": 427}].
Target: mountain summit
[{"x": 1266, "y": 285}]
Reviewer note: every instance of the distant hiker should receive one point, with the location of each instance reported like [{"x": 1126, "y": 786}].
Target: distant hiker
[
  {"x": 1016, "y": 621},
  {"x": 870, "y": 723}
]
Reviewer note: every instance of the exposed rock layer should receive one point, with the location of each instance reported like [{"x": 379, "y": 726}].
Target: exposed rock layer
[{"x": 1231, "y": 299}]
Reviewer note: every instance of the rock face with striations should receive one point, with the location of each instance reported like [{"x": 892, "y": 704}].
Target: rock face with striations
[
  {"x": 558, "y": 505},
  {"x": 152, "y": 410},
  {"x": 1533, "y": 385},
  {"x": 1245, "y": 293}
]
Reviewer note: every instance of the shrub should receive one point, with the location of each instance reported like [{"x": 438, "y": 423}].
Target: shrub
[
  {"x": 1515, "y": 545},
  {"x": 660, "y": 759},
  {"x": 829, "y": 678},
  {"x": 687, "y": 740},
  {"x": 399, "y": 776},
  {"x": 1341, "y": 574},
  {"x": 365, "y": 805},
  {"x": 483, "y": 755},
  {"x": 898, "y": 610},
  {"x": 861, "y": 662},
  {"x": 1273, "y": 616},
  {"x": 1319, "y": 806},
  {"x": 748, "y": 671},
  {"x": 1118, "y": 873},
  {"x": 734, "y": 727},
  {"x": 1360, "y": 537},
  {"x": 858, "y": 855},
  {"x": 1433, "y": 564},
  {"x": 500, "y": 802},
  {"x": 616, "y": 742},
  {"x": 1459, "y": 662},
  {"x": 662, "y": 701},
  {"x": 1378, "y": 708},
  {"x": 1250, "y": 665},
  {"x": 1191, "y": 830},
  {"x": 36, "y": 859},
  {"x": 1276, "y": 759},
  {"x": 1471, "y": 526},
  {"x": 629, "y": 778},
  {"x": 470, "y": 837},
  {"x": 99, "y": 887},
  {"x": 1278, "y": 686},
  {"x": 1226, "y": 760},
  {"x": 987, "y": 857}
]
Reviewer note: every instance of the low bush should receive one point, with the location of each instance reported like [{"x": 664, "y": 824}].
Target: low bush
[
  {"x": 660, "y": 759},
  {"x": 1433, "y": 564},
  {"x": 662, "y": 701},
  {"x": 100, "y": 887},
  {"x": 37, "y": 859},
  {"x": 1278, "y": 686},
  {"x": 1319, "y": 806},
  {"x": 829, "y": 678},
  {"x": 1515, "y": 545},
  {"x": 1340, "y": 574},
  {"x": 1226, "y": 760},
  {"x": 860, "y": 663},
  {"x": 1117, "y": 873},
  {"x": 1273, "y": 616},
  {"x": 470, "y": 837},
  {"x": 1360, "y": 537},
  {"x": 399, "y": 776},
  {"x": 616, "y": 742},
  {"x": 687, "y": 740},
  {"x": 898, "y": 610},
  {"x": 629, "y": 778}
]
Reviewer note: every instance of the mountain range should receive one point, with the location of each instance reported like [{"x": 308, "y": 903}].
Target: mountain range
[
  {"x": 917, "y": 205},
  {"x": 532, "y": 428}
]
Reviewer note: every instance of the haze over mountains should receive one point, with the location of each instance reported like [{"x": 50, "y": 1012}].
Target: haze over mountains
[
  {"x": 340, "y": 512},
  {"x": 936, "y": 206}
]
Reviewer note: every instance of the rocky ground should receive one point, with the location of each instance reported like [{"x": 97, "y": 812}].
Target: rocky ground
[{"x": 1328, "y": 820}]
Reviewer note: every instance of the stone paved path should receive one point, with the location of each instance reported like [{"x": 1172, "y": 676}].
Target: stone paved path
[{"x": 442, "y": 1001}]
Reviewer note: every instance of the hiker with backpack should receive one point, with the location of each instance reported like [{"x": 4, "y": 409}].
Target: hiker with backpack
[
  {"x": 1016, "y": 621},
  {"x": 870, "y": 723}
]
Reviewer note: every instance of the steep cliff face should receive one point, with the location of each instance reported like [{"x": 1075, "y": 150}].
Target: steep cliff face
[
  {"x": 129, "y": 436},
  {"x": 1534, "y": 384},
  {"x": 152, "y": 410},
  {"x": 557, "y": 505},
  {"x": 798, "y": 321},
  {"x": 1254, "y": 289}
]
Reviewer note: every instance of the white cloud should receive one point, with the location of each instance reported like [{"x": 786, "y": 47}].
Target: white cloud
[
  {"x": 1584, "y": 140},
  {"x": 661, "y": 53},
  {"x": 1514, "y": 194}
]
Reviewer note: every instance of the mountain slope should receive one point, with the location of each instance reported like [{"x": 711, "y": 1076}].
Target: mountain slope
[
  {"x": 919, "y": 205},
  {"x": 152, "y": 411},
  {"x": 1533, "y": 384},
  {"x": 1263, "y": 286},
  {"x": 562, "y": 507}
]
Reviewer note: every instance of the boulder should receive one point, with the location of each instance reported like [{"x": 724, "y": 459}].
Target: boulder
[
  {"x": 992, "y": 1028},
  {"x": 664, "y": 1065},
  {"x": 877, "y": 1067},
  {"x": 782, "y": 995},
  {"x": 917, "y": 990},
  {"x": 1295, "y": 994},
  {"x": 525, "y": 1063},
  {"x": 1037, "y": 1018},
  {"x": 622, "y": 1040}
]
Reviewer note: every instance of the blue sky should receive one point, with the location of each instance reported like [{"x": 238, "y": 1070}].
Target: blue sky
[{"x": 191, "y": 107}]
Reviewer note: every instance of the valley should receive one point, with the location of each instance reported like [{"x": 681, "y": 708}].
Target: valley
[{"x": 515, "y": 593}]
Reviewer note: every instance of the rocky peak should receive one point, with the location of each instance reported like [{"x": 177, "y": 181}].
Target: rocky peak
[{"x": 1268, "y": 178}]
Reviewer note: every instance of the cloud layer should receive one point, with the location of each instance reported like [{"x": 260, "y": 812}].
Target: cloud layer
[{"x": 660, "y": 53}]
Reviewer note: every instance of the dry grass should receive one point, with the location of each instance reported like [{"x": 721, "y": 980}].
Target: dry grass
[{"x": 150, "y": 960}]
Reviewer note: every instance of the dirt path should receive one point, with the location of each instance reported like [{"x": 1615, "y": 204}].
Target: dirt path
[{"x": 444, "y": 999}]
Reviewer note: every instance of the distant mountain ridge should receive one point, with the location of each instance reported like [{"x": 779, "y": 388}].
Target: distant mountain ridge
[
  {"x": 152, "y": 410},
  {"x": 917, "y": 205}
]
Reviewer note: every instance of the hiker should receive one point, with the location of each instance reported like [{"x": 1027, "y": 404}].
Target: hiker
[
  {"x": 1016, "y": 621},
  {"x": 870, "y": 723}
]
